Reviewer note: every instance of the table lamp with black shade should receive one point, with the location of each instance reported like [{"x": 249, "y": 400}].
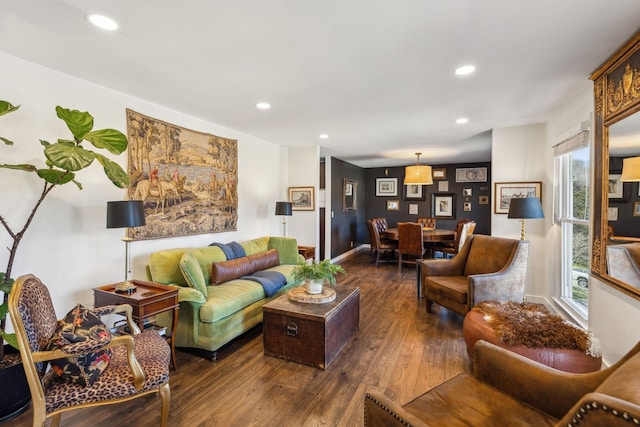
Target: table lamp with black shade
[
  {"x": 284, "y": 209},
  {"x": 125, "y": 214},
  {"x": 523, "y": 208}
]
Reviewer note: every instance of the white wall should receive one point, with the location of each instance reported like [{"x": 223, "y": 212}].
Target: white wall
[
  {"x": 518, "y": 154},
  {"x": 304, "y": 171},
  {"x": 67, "y": 245}
]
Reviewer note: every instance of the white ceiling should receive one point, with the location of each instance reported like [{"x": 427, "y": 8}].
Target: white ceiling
[{"x": 376, "y": 75}]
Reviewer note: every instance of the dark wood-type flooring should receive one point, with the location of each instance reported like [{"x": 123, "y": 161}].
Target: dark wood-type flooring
[{"x": 399, "y": 349}]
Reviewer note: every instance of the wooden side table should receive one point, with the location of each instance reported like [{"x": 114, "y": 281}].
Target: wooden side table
[
  {"x": 148, "y": 300},
  {"x": 307, "y": 251}
]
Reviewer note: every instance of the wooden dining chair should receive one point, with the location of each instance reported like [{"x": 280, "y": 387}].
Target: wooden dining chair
[
  {"x": 380, "y": 246},
  {"x": 410, "y": 243},
  {"x": 464, "y": 229}
]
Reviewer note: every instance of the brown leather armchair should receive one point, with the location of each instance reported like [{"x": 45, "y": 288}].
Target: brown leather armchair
[
  {"x": 507, "y": 389},
  {"x": 486, "y": 268},
  {"x": 464, "y": 229}
]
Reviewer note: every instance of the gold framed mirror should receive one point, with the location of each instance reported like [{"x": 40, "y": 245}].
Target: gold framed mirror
[
  {"x": 349, "y": 193},
  {"x": 616, "y": 214}
]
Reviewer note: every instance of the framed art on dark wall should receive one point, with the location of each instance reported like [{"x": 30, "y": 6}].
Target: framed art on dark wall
[
  {"x": 414, "y": 192},
  {"x": 387, "y": 187},
  {"x": 443, "y": 205},
  {"x": 471, "y": 174}
]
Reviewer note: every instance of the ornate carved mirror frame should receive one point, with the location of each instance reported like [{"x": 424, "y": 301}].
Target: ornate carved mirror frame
[{"x": 617, "y": 98}]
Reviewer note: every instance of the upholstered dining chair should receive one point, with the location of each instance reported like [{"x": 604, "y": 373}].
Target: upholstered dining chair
[
  {"x": 380, "y": 246},
  {"x": 464, "y": 229},
  {"x": 427, "y": 222},
  {"x": 410, "y": 243},
  {"x": 139, "y": 363}
]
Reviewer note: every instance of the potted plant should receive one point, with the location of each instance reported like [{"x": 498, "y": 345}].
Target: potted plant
[
  {"x": 63, "y": 159},
  {"x": 316, "y": 273}
]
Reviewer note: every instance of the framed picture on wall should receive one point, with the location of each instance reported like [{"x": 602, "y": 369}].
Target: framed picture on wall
[
  {"x": 414, "y": 192},
  {"x": 301, "y": 198},
  {"x": 413, "y": 209},
  {"x": 439, "y": 173},
  {"x": 505, "y": 191},
  {"x": 443, "y": 205},
  {"x": 387, "y": 187},
  {"x": 636, "y": 208},
  {"x": 612, "y": 214},
  {"x": 616, "y": 189},
  {"x": 393, "y": 205},
  {"x": 471, "y": 175}
]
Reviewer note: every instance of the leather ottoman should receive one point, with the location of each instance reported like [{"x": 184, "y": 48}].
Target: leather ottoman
[{"x": 476, "y": 327}]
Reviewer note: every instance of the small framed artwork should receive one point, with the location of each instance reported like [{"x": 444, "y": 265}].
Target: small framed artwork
[
  {"x": 413, "y": 209},
  {"x": 505, "y": 191},
  {"x": 636, "y": 208},
  {"x": 467, "y": 192},
  {"x": 443, "y": 185},
  {"x": 471, "y": 175},
  {"x": 414, "y": 192},
  {"x": 443, "y": 205},
  {"x": 393, "y": 205},
  {"x": 467, "y": 206},
  {"x": 439, "y": 173},
  {"x": 612, "y": 214},
  {"x": 616, "y": 188},
  {"x": 387, "y": 187},
  {"x": 301, "y": 198},
  {"x": 483, "y": 200}
]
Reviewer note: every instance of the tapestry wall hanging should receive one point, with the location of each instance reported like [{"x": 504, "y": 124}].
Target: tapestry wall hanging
[{"x": 187, "y": 180}]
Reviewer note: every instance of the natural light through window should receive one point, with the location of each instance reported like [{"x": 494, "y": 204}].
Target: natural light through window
[{"x": 572, "y": 204}]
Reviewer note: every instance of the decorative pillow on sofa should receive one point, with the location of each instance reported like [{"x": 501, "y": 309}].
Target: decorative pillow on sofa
[
  {"x": 264, "y": 260},
  {"x": 80, "y": 331},
  {"x": 224, "y": 271}
]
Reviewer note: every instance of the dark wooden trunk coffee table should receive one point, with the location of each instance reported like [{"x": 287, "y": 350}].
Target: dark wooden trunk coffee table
[{"x": 307, "y": 333}]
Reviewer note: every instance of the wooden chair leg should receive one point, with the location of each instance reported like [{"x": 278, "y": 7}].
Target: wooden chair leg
[
  {"x": 165, "y": 395},
  {"x": 429, "y": 305}
]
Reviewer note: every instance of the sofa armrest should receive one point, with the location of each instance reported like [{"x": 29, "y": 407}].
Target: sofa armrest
[
  {"x": 190, "y": 295},
  {"x": 549, "y": 390},
  {"x": 381, "y": 411},
  {"x": 505, "y": 284},
  {"x": 597, "y": 409}
]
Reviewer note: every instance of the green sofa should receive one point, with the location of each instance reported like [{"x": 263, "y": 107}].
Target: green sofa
[{"x": 210, "y": 316}]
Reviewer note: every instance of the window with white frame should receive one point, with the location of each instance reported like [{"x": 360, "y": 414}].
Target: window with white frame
[{"x": 571, "y": 215}]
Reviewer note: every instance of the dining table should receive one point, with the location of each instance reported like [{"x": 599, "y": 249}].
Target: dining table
[{"x": 428, "y": 234}]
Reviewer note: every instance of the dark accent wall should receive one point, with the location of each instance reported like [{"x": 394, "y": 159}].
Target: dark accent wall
[
  {"x": 350, "y": 227},
  {"x": 347, "y": 227},
  {"x": 627, "y": 224},
  {"x": 480, "y": 213}
]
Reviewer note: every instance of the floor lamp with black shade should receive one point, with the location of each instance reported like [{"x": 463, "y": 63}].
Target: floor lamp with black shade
[
  {"x": 525, "y": 208},
  {"x": 125, "y": 214},
  {"x": 284, "y": 209}
]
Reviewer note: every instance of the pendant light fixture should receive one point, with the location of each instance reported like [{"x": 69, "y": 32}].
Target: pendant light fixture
[
  {"x": 630, "y": 169},
  {"x": 418, "y": 174}
]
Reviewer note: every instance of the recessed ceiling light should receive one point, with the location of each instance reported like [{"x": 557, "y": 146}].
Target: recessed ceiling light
[
  {"x": 102, "y": 21},
  {"x": 465, "y": 69},
  {"x": 462, "y": 120},
  {"x": 323, "y": 136},
  {"x": 263, "y": 105}
]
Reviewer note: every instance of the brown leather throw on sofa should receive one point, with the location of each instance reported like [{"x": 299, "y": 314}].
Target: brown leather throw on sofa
[{"x": 485, "y": 268}]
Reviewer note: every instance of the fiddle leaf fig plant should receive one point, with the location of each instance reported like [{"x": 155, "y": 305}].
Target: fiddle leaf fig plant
[{"x": 62, "y": 159}]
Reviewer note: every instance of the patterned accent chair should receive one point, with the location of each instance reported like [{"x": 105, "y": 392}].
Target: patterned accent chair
[
  {"x": 507, "y": 389},
  {"x": 139, "y": 364},
  {"x": 486, "y": 268},
  {"x": 410, "y": 243},
  {"x": 379, "y": 245}
]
